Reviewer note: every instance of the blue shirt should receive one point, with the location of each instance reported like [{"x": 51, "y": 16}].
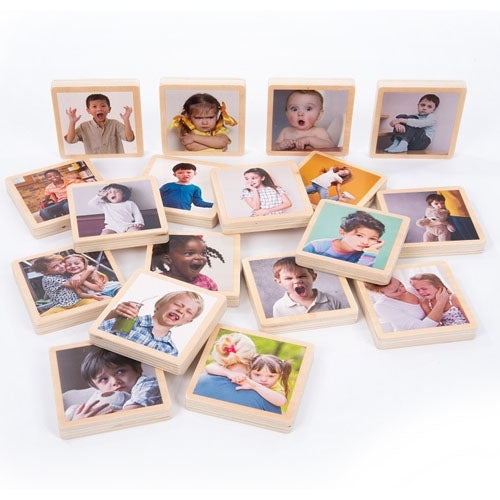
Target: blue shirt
[
  {"x": 221, "y": 388},
  {"x": 182, "y": 196},
  {"x": 325, "y": 247},
  {"x": 142, "y": 333}
]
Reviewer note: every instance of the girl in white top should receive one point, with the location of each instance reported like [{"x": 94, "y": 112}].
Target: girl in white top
[
  {"x": 262, "y": 195},
  {"x": 403, "y": 310},
  {"x": 428, "y": 285},
  {"x": 121, "y": 215}
]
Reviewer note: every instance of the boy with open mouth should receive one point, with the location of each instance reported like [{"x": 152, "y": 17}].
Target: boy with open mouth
[
  {"x": 101, "y": 135},
  {"x": 300, "y": 296}
]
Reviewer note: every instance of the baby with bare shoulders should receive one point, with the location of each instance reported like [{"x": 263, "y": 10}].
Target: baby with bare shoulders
[{"x": 303, "y": 109}]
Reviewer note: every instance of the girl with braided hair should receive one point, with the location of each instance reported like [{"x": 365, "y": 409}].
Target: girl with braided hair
[{"x": 183, "y": 258}]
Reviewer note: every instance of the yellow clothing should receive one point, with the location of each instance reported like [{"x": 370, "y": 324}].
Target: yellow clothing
[
  {"x": 454, "y": 203},
  {"x": 222, "y": 130},
  {"x": 57, "y": 309}
]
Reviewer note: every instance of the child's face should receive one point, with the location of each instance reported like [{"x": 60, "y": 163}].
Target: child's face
[
  {"x": 298, "y": 281},
  {"x": 424, "y": 288},
  {"x": 394, "y": 289},
  {"x": 438, "y": 204},
  {"x": 264, "y": 376},
  {"x": 53, "y": 177},
  {"x": 177, "y": 311},
  {"x": 74, "y": 265},
  {"x": 187, "y": 261},
  {"x": 204, "y": 119},
  {"x": 360, "y": 238},
  {"x": 426, "y": 107},
  {"x": 114, "y": 195},
  {"x": 184, "y": 176},
  {"x": 343, "y": 172},
  {"x": 99, "y": 110},
  {"x": 253, "y": 179},
  {"x": 116, "y": 378},
  {"x": 303, "y": 110},
  {"x": 55, "y": 267}
]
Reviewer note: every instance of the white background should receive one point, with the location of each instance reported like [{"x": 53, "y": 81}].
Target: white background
[{"x": 418, "y": 422}]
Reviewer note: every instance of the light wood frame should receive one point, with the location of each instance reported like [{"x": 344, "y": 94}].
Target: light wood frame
[
  {"x": 363, "y": 184},
  {"x": 396, "y": 227},
  {"x": 452, "y": 98},
  {"x": 228, "y": 183},
  {"x": 175, "y": 91},
  {"x": 69, "y": 429},
  {"x": 115, "y": 90},
  {"x": 86, "y": 225},
  {"x": 234, "y": 411},
  {"x": 40, "y": 228},
  {"x": 474, "y": 239},
  {"x": 384, "y": 339},
  {"x": 335, "y": 92},
  {"x": 232, "y": 256},
  {"x": 154, "y": 286},
  {"x": 160, "y": 167},
  {"x": 337, "y": 286},
  {"x": 63, "y": 319}
]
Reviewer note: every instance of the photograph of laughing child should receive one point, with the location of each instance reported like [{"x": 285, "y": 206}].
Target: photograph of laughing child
[
  {"x": 114, "y": 383},
  {"x": 66, "y": 280},
  {"x": 251, "y": 371},
  {"x": 287, "y": 289}
]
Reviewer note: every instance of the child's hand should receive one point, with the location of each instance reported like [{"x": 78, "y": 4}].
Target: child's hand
[
  {"x": 399, "y": 127},
  {"x": 442, "y": 296},
  {"x": 127, "y": 309},
  {"x": 303, "y": 143},
  {"x": 73, "y": 118},
  {"x": 98, "y": 296},
  {"x": 93, "y": 409},
  {"x": 137, "y": 225},
  {"x": 245, "y": 384},
  {"x": 261, "y": 211},
  {"x": 126, "y": 114},
  {"x": 102, "y": 193},
  {"x": 236, "y": 377},
  {"x": 187, "y": 139},
  {"x": 376, "y": 247},
  {"x": 286, "y": 145}
]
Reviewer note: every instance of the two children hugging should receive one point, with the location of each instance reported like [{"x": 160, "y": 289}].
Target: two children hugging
[
  {"x": 69, "y": 281},
  {"x": 235, "y": 357},
  {"x": 101, "y": 135},
  {"x": 202, "y": 124}
]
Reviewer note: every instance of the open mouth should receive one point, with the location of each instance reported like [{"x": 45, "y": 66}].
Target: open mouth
[
  {"x": 100, "y": 116},
  {"x": 300, "y": 290},
  {"x": 174, "y": 317},
  {"x": 301, "y": 123},
  {"x": 196, "y": 267}
]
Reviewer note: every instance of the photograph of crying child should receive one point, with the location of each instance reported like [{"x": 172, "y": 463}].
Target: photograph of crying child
[
  {"x": 418, "y": 122},
  {"x": 436, "y": 216},
  {"x": 115, "y": 208},
  {"x": 306, "y": 120},
  {"x": 67, "y": 280},
  {"x": 96, "y": 381},
  {"x": 287, "y": 289}
]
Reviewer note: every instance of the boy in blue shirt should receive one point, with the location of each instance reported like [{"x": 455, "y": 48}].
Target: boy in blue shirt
[{"x": 182, "y": 194}]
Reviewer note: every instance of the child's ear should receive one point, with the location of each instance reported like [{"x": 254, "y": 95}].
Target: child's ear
[
  {"x": 277, "y": 280},
  {"x": 341, "y": 232},
  {"x": 166, "y": 259}
]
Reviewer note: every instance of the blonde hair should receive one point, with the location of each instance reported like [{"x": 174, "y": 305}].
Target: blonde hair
[
  {"x": 96, "y": 277},
  {"x": 169, "y": 297},
  {"x": 233, "y": 348},
  {"x": 431, "y": 278}
]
